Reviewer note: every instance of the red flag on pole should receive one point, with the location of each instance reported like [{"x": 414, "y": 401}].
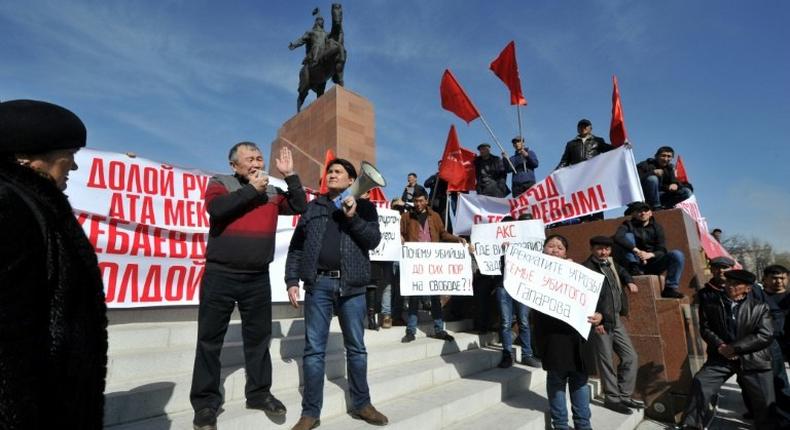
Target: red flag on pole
[
  {"x": 455, "y": 99},
  {"x": 327, "y": 158},
  {"x": 457, "y": 166},
  {"x": 506, "y": 69},
  {"x": 617, "y": 133},
  {"x": 680, "y": 171}
]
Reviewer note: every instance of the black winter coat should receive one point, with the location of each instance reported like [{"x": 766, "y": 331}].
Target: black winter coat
[
  {"x": 650, "y": 238},
  {"x": 577, "y": 150},
  {"x": 358, "y": 235},
  {"x": 647, "y": 168},
  {"x": 491, "y": 176},
  {"x": 53, "y": 322},
  {"x": 753, "y": 335},
  {"x": 560, "y": 347}
]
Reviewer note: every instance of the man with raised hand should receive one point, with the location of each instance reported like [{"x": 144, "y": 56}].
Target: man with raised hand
[{"x": 243, "y": 209}]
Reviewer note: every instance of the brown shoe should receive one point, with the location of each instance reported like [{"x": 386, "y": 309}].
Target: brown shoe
[
  {"x": 386, "y": 322},
  {"x": 370, "y": 415},
  {"x": 306, "y": 423}
]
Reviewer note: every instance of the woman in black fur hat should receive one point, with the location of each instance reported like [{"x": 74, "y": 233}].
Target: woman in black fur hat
[{"x": 53, "y": 323}]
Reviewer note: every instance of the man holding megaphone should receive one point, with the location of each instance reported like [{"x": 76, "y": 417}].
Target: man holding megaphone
[{"x": 329, "y": 253}]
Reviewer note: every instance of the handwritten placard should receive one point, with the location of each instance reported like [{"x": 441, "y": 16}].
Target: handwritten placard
[
  {"x": 488, "y": 239},
  {"x": 430, "y": 269},
  {"x": 389, "y": 247},
  {"x": 554, "y": 286}
]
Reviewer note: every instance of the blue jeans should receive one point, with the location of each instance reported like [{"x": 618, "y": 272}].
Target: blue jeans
[
  {"x": 657, "y": 198},
  {"x": 436, "y": 314},
  {"x": 319, "y": 303},
  {"x": 506, "y": 305},
  {"x": 580, "y": 399},
  {"x": 673, "y": 262}
]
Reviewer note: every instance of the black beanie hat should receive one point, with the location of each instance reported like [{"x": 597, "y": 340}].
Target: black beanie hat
[{"x": 33, "y": 127}]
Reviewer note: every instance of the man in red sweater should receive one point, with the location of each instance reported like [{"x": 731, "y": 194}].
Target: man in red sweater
[{"x": 243, "y": 208}]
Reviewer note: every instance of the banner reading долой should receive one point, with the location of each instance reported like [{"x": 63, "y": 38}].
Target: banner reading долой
[
  {"x": 488, "y": 239},
  {"x": 607, "y": 181},
  {"x": 556, "y": 287},
  {"x": 431, "y": 268}
]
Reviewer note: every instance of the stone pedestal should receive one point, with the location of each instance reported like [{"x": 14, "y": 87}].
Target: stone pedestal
[
  {"x": 663, "y": 331},
  {"x": 340, "y": 120}
]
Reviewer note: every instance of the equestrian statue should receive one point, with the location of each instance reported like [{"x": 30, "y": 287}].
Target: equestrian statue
[{"x": 325, "y": 55}]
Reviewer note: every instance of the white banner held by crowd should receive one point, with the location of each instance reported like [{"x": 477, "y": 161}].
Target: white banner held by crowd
[
  {"x": 389, "y": 247},
  {"x": 431, "y": 268},
  {"x": 556, "y": 287},
  {"x": 488, "y": 239},
  {"x": 607, "y": 181}
]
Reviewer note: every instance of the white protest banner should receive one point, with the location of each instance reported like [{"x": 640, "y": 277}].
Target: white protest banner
[
  {"x": 488, "y": 239},
  {"x": 556, "y": 287},
  {"x": 431, "y": 268},
  {"x": 389, "y": 247},
  {"x": 607, "y": 181},
  {"x": 148, "y": 224}
]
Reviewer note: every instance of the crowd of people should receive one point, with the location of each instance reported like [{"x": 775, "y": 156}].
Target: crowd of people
[{"x": 53, "y": 337}]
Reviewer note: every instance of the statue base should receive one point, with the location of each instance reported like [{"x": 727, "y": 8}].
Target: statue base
[{"x": 340, "y": 120}]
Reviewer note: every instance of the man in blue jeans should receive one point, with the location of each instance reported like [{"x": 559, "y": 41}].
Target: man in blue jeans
[
  {"x": 329, "y": 252},
  {"x": 641, "y": 249},
  {"x": 661, "y": 187}
]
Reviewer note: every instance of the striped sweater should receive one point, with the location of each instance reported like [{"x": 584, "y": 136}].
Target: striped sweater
[{"x": 243, "y": 222}]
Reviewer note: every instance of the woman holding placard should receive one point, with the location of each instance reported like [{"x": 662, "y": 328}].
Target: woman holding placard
[{"x": 567, "y": 358}]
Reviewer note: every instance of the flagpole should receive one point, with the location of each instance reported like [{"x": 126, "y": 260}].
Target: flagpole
[
  {"x": 483, "y": 120},
  {"x": 446, "y": 208},
  {"x": 518, "y": 111}
]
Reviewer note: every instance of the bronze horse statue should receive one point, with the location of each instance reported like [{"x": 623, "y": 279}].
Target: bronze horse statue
[{"x": 325, "y": 56}]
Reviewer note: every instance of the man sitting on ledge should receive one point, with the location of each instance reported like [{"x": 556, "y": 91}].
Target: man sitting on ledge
[
  {"x": 641, "y": 248},
  {"x": 662, "y": 189}
]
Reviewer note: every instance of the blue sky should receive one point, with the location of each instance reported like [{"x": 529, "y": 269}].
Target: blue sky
[{"x": 180, "y": 81}]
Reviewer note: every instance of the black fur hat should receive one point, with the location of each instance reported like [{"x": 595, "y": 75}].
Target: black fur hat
[{"x": 33, "y": 127}]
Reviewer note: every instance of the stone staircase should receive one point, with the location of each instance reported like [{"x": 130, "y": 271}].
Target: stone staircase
[{"x": 426, "y": 384}]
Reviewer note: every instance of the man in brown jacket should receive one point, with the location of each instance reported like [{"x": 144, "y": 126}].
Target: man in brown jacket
[{"x": 422, "y": 224}]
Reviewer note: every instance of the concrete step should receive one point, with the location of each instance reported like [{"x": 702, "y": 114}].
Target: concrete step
[
  {"x": 446, "y": 405},
  {"x": 133, "y": 336},
  {"x": 133, "y": 400},
  {"x": 167, "y": 353},
  {"x": 528, "y": 410},
  {"x": 386, "y": 384}
]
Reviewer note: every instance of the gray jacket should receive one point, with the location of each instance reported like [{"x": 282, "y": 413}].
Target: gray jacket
[{"x": 358, "y": 236}]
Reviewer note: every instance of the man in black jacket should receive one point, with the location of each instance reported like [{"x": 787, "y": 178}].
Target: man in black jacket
[
  {"x": 662, "y": 189},
  {"x": 611, "y": 335},
  {"x": 641, "y": 247},
  {"x": 491, "y": 173},
  {"x": 737, "y": 330},
  {"x": 411, "y": 188},
  {"x": 584, "y": 146},
  {"x": 329, "y": 252}
]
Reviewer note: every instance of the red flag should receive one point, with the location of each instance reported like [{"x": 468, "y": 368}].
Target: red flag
[
  {"x": 376, "y": 195},
  {"x": 455, "y": 99},
  {"x": 506, "y": 69},
  {"x": 457, "y": 166},
  {"x": 327, "y": 158},
  {"x": 617, "y": 133},
  {"x": 680, "y": 171}
]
